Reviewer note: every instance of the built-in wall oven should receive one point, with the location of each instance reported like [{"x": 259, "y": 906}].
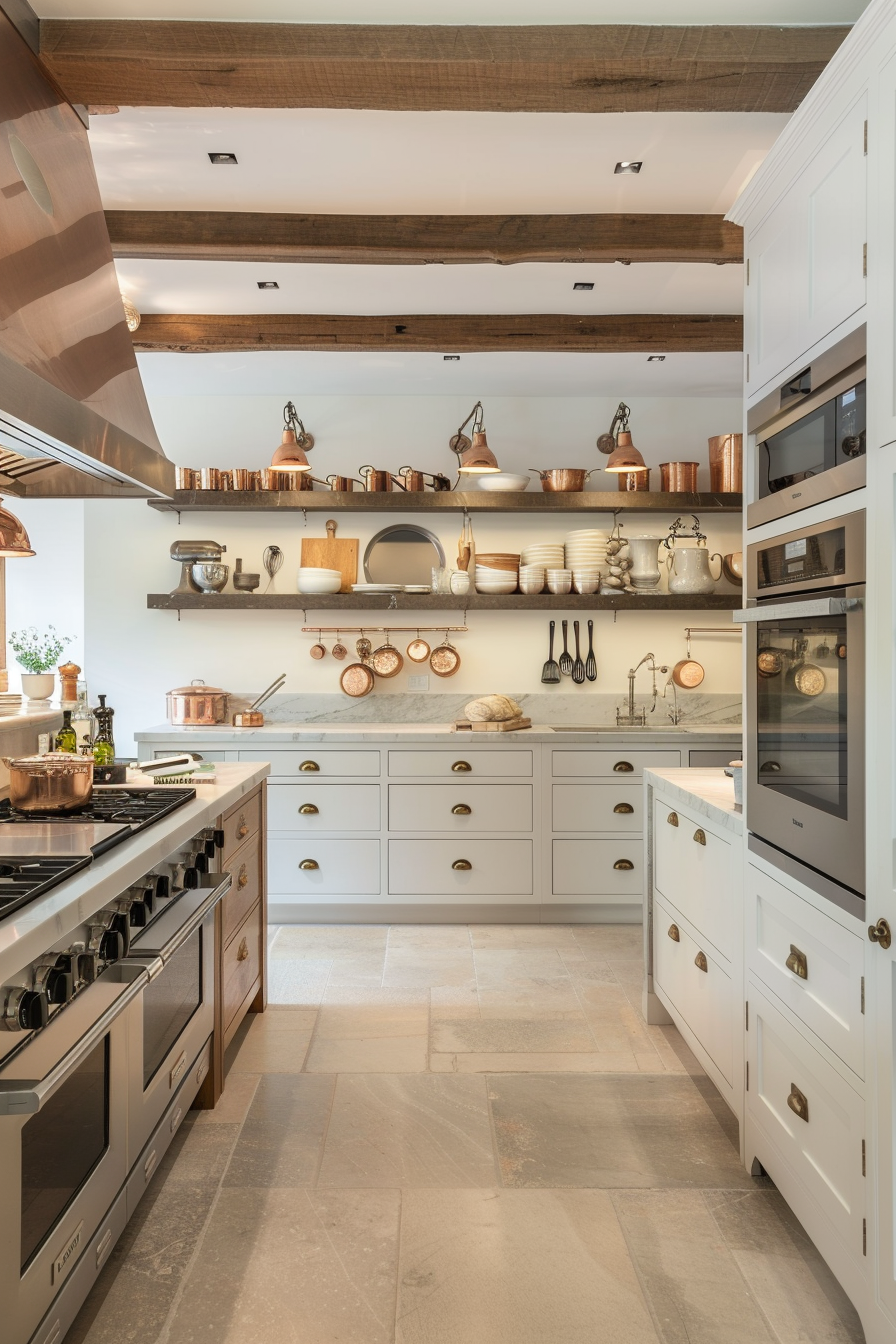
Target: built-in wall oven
[{"x": 804, "y": 757}]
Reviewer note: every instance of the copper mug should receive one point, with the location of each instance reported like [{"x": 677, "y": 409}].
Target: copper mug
[
  {"x": 410, "y": 479},
  {"x": 726, "y": 463},
  {"x": 375, "y": 481},
  {"x": 341, "y": 483},
  {"x": 679, "y": 478},
  {"x": 186, "y": 478},
  {"x": 210, "y": 478},
  {"x": 633, "y": 480},
  {"x": 240, "y": 478}
]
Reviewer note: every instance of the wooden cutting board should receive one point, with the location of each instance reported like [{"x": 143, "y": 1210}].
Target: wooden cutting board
[
  {"x": 328, "y": 553},
  {"x": 501, "y": 726}
]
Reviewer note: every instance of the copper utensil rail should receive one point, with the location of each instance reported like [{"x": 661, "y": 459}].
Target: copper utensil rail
[
  {"x": 712, "y": 630},
  {"x": 383, "y": 629}
]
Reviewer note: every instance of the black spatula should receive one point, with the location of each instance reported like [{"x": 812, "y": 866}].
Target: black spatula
[
  {"x": 565, "y": 657},
  {"x": 550, "y": 673}
]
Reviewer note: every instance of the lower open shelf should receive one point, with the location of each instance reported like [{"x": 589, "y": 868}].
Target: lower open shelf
[{"x": 433, "y": 602}]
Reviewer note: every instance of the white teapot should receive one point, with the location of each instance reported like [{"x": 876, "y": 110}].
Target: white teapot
[{"x": 690, "y": 569}]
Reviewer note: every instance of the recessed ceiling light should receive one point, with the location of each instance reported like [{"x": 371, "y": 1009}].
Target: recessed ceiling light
[
  {"x": 451, "y": 358},
  {"x": 584, "y": 284},
  {"x": 221, "y": 157},
  {"x": 655, "y": 359},
  {"x": 630, "y": 166},
  {"x": 267, "y": 284}
]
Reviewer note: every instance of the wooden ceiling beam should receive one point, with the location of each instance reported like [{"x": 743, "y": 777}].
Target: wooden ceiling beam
[
  {"x": 441, "y": 333},
  {"x": 408, "y": 240},
  {"x": 568, "y": 68}
]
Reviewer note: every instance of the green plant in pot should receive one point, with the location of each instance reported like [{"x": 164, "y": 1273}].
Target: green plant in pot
[{"x": 37, "y": 654}]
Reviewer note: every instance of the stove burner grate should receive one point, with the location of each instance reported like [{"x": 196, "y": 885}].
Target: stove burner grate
[
  {"x": 125, "y": 807},
  {"x": 24, "y": 878}
]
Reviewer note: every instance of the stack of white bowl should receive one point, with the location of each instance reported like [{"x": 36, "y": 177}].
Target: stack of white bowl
[
  {"x": 318, "y": 581},
  {"x": 547, "y": 554},
  {"x": 532, "y": 579},
  {"x": 585, "y": 553},
  {"x": 500, "y": 576}
]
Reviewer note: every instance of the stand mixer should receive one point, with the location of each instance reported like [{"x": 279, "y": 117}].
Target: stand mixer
[{"x": 190, "y": 553}]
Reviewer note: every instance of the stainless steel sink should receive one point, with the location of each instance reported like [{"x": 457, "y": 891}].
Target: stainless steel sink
[{"x": 619, "y": 728}]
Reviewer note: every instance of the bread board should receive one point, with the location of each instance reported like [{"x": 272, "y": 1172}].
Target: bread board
[
  {"x": 502, "y": 726},
  {"x": 329, "y": 553}
]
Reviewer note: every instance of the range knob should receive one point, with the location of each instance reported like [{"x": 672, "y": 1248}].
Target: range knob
[
  {"x": 138, "y": 914},
  {"x": 112, "y": 946},
  {"x": 191, "y": 877},
  {"x": 162, "y": 888},
  {"x": 25, "y": 1010},
  {"x": 121, "y": 924},
  {"x": 218, "y": 838},
  {"x": 56, "y": 978},
  {"x": 210, "y": 847},
  {"x": 200, "y": 862}
]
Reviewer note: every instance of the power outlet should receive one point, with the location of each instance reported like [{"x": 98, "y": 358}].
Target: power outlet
[
  {"x": 418, "y": 683},
  {"x": 43, "y": 743}
]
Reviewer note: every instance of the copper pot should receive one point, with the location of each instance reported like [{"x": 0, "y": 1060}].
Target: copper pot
[
  {"x": 55, "y": 782},
  {"x": 726, "y": 463},
  {"x": 411, "y": 480},
  {"x": 345, "y": 484},
  {"x": 375, "y": 481},
  {"x": 563, "y": 479},
  {"x": 679, "y": 477},
  {"x": 633, "y": 480},
  {"x": 196, "y": 705}
]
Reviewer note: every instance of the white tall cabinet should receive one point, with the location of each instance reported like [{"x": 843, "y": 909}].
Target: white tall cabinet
[{"x": 820, "y": 235}]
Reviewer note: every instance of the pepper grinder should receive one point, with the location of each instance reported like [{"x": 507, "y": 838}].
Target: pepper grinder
[
  {"x": 68, "y": 680},
  {"x": 104, "y": 742}
]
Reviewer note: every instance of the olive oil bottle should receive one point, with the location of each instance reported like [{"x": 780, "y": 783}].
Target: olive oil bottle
[{"x": 66, "y": 738}]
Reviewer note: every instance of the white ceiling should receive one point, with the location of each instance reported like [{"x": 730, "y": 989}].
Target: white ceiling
[{"x": 348, "y": 162}]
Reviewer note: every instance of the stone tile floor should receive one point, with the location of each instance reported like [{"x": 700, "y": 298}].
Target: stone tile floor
[{"x": 462, "y": 1136}]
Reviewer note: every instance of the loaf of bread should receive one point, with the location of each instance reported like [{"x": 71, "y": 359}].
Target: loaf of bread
[{"x": 492, "y": 709}]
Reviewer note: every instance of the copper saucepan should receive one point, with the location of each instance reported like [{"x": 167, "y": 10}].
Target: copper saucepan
[
  {"x": 563, "y": 479},
  {"x": 56, "y": 781},
  {"x": 375, "y": 481},
  {"x": 687, "y": 672}
]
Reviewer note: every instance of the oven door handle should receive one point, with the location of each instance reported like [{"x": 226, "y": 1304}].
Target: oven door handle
[
  {"x": 201, "y": 900},
  {"x": 25, "y": 1096},
  {"x": 789, "y": 611}
]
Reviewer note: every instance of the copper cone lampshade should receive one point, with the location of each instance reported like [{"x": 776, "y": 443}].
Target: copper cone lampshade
[
  {"x": 478, "y": 458},
  {"x": 13, "y": 537},
  {"x": 290, "y": 456},
  {"x": 625, "y": 456}
]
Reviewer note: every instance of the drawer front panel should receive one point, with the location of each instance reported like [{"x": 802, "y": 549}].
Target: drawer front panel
[
  {"x": 722, "y": 757},
  {"x": 703, "y": 997},
  {"x": 587, "y": 869},
  {"x": 241, "y": 963},
  {"x": 781, "y": 926},
  {"x": 426, "y": 868},
  {"x": 240, "y": 823},
  {"x": 698, "y": 872},
  {"x": 481, "y": 762},
  {"x": 612, "y": 762},
  {"x": 288, "y": 764},
  {"x": 598, "y": 807},
  {"x": 434, "y": 807},
  {"x": 344, "y": 867},
  {"x": 337, "y": 807},
  {"x": 825, "y": 1151},
  {"x": 246, "y": 887}
]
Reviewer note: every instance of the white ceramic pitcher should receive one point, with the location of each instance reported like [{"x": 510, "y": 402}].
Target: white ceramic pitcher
[
  {"x": 690, "y": 569},
  {"x": 645, "y": 570}
]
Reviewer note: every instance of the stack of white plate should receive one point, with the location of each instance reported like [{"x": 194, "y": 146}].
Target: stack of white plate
[
  {"x": 586, "y": 549},
  {"x": 489, "y": 580},
  {"x": 547, "y": 554}
]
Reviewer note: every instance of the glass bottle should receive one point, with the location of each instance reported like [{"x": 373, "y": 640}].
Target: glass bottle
[
  {"x": 103, "y": 742},
  {"x": 66, "y": 738}
]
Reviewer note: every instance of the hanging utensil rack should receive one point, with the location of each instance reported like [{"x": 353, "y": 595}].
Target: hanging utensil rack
[
  {"x": 712, "y": 630},
  {"x": 384, "y": 629}
]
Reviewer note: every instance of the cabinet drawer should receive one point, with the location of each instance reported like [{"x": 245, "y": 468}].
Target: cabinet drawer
[
  {"x": 781, "y": 925},
  {"x": 703, "y": 997},
  {"x": 720, "y": 758},
  {"x": 241, "y": 963},
  {"x": 618, "y": 762},
  {"x": 344, "y": 867},
  {"x": 337, "y": 807},
  {"x": 240, "y": 823},
  {"x": 825, "y": 1151},
  {"x": 431, "y": 807},
  {"x": 314, "y": 761},
  {"x": 425, "y": 868},
  {"x": 597, "y": 807},
  {"x": 452, "y": 763},
  {"x": 698, "y": 872},
  {"x": 246, "y": 888},
  {"x": 587, "y": 868}
]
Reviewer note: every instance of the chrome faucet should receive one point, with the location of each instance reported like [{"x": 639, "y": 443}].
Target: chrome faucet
[
  {"x": 675, "y": 713},
  {"x": 638, "y": 718}
]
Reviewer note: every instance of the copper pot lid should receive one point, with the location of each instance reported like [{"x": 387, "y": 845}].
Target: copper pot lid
[
  {"x": 418, "y": 650},
  {"x": 198, "y": 688},
  {"x": 386, "y": 661},
  {"x": 356, "y": 680},
  {"x": 444, "y": 660}
]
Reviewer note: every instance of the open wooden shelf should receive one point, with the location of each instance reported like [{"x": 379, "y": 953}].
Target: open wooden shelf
[
  {"x": 430, "y": 602},
  {"x": 445, "y": 501}
]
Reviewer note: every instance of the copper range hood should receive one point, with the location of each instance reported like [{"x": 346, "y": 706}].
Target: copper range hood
[{"x": 74, "y": 421}]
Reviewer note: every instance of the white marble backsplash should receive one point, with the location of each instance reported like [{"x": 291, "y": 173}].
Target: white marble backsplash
[{"x": 584, "y": 707}]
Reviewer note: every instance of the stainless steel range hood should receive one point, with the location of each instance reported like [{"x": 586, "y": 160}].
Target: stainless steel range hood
[{"x": 74, "y": 421}]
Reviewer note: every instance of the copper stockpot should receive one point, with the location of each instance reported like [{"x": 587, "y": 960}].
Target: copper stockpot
[
  {"x": 679, "y": 477},
  {"x": 726, "y": 463},
  {"x": 196, "y": 705},
  {"x": 563, "y": 479},
  {"x": 57, "y": 781},
  {"x": 633, "y": 480},
  {"x": 375, "y": 481}
]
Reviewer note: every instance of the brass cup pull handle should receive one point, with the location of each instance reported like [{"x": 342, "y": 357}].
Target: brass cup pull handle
[
  {"x": 624, "y": 768},
  {"x": 462, "y": 768},
  {"x": 242, "y": 952},
  {"x": 623, "y": 809},
  {"x": 672, "y": 932},
  {"x": 798, "y": 1103},
  {"x": 701, "y": 963},
  {"x": 461, "y": 865},
  {"x": 700, "y": 837},
  {"x": 242, "y": 829},
  {"x": 672, "y": 819},
  {"x": 461, "y": 810},
  {"x": 881, "y": 933},
  {"x": 797, "y": 963},
  {"x": 309, "y": 810},
  {"x": 623, "y": 865},
  {"x": 243, "y": 877},
  {"x": 309, "y": 767},
  {"x": 309, "y": 865}
]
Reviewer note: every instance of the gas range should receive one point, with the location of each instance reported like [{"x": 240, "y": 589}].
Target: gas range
[{"x": 130, "y": 808}]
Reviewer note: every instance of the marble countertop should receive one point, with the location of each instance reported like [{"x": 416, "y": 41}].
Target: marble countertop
[
  {"x": 285, "y": 733},
  {"x": 52, "y": 918},
  {"x": 707, "y": 791},
  {"x": 31, "y": 716}
]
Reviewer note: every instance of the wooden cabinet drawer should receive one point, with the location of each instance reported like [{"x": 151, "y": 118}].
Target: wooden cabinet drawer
[
  {"x": 343, "y": 867},
  {"x": 312, "y": 762},
  {"x": 246, "y": 888},
  {"x": 781, "y": 926},
  {"x": 699, "y": 872},
  {"x": 433, "y": 807},
  {"x": 618, "y": 761},
  {"x": 243, "y": 820},
  {"x": 700, "y": 992},
  {"x": 334, "y": 807},
  {"x": 598, "y": 807},
  {"x": 824, "y": 1151},
  {"x": 453, "y": 763},
  {"x": 588, "y": 869},
  {"x": 426, "y": 868},
  {"x": 241, "y": 963}
]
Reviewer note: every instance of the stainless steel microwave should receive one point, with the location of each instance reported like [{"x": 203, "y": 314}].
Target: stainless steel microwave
[{"x": 809, "y": 436}]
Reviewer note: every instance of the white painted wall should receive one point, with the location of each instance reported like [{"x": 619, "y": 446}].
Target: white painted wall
[
  {"x": 48, "y": 588},
  {"x": 135, "y": 655}
]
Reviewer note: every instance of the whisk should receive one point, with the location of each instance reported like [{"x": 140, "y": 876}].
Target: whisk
[{"x": 273, "y": 562}]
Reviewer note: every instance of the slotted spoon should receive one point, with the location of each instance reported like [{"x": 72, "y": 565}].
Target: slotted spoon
[
  {"x": 565, "y": 657},
  {"x": 578, "y": 667},
  {"x": 591, "y": 661},
  {"x": 550, "y": 673}
]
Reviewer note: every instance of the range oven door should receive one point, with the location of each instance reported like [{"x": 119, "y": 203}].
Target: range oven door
[
  {"x": 175, "y": 1013},
  {"x": 804, "y": 760},
  {"x": 63, "y": 1143}
]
